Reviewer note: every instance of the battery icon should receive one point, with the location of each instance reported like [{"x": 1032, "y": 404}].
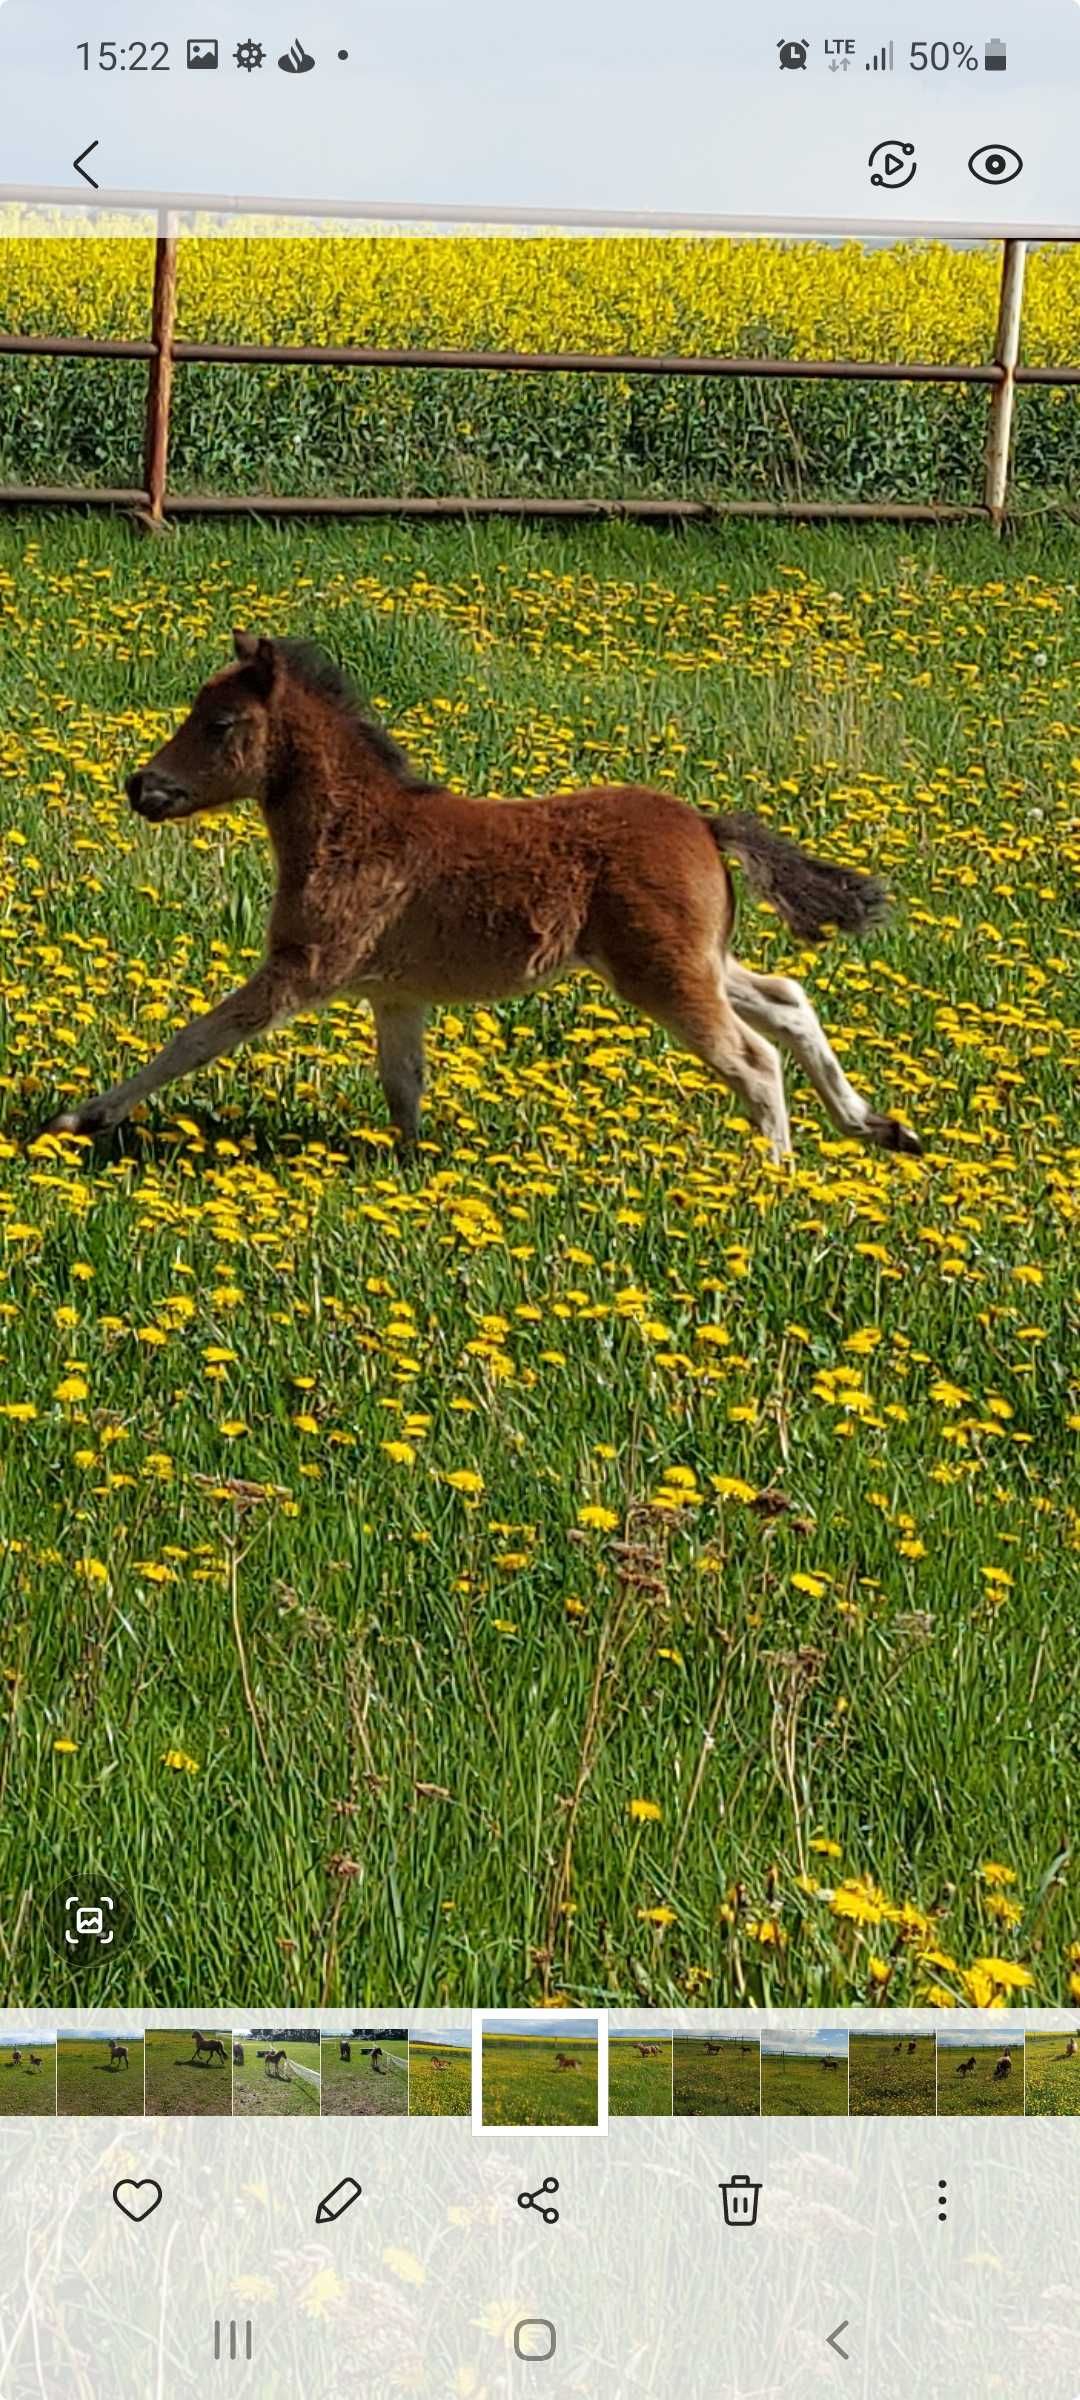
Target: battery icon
[{"x": 996, "y": 58}]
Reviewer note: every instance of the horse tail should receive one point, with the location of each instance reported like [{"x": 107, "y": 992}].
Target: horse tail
[{"x": 811, "y": 896}]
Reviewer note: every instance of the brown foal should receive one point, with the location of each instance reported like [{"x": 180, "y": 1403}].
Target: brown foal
[{"x": 403, "y": 893}]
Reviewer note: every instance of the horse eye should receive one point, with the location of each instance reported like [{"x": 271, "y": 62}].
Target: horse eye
[{"x": 219, "y": 727}]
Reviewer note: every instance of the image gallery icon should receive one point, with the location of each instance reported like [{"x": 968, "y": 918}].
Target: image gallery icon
[{"x": 202, "y": 55}]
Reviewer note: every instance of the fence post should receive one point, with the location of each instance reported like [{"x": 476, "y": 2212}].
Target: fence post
[
  {"x": 159, "y": 390},
  {"x": 1003, "y": 397}
]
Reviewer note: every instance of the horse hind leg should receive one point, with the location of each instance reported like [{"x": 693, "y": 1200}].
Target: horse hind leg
[
  {"x": 691, "y": 1005},
  {"x": 777, "y": 1006},
  {"x": 399, "y": 1035}
]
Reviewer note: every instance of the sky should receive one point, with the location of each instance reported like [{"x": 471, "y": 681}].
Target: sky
[
  {"x": 540, "y": 2029},
  {"x": 1006, "y": 2039},
  {"x": 829, "y": 2042}
]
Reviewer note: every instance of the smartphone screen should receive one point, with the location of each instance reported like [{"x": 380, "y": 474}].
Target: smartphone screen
[{"x": 539, "y": 1515}]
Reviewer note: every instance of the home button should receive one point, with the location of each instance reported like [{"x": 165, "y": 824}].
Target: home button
[{"x": 534, "y": 2338}]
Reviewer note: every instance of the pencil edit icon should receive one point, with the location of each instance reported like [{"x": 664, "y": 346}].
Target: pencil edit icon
[{"x": 334, "y": 2203}]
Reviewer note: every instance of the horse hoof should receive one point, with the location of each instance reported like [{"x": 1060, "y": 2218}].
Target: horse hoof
[
  {"x": 887, "y": 1133},
  {"x": 69, "y": 1121},
  {"x": 87, "y": 1121}
]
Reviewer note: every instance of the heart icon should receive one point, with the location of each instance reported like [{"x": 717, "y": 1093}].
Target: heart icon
[{"x": 138, "y": 2200}]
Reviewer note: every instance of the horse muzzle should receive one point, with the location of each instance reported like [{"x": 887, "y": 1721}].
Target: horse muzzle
[{"x": 155, "y": 798}]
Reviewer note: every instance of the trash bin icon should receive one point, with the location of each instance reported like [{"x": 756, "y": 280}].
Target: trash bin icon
[{"x": 740, "y": 2200}]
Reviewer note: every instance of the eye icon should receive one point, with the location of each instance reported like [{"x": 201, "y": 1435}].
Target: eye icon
[{"x": 996, "y": 163}]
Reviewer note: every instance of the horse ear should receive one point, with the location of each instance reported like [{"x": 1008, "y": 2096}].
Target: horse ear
[
  {"x": 263, "y": 669},
  {"x": 260, "y": 659}
]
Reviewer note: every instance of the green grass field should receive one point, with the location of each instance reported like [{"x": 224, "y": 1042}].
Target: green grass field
[
  {"x": 721, "y": 2082},
  {"x": 259, "y": 2094},
  {"x": 1051, "y": 2079},
  {"x": 439, "y": 2092},
  {"x": 88, "y": 2086},
  {"x": 522, "y": 2085},
  {"x": 351, "y": 2088},
  {"x": 416, "y": 1519},
  {"x": 802, "y": 2087},
  {"x": 979, "y": 2094},
  {"x": 180, "y": 2085},
  {"x": 639, "y": 2087},
  {"x": 885, "y": 2082},
  {"x": 27, "y": 2091}
]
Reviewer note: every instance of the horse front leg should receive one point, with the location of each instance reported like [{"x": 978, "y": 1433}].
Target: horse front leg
[{"x": 272, "y": 994}]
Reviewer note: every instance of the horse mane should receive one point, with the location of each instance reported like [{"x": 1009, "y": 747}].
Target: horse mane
[{"x": 317, "y": 673}]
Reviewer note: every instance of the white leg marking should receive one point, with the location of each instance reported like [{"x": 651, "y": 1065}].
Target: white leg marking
[{"x": 776, "y": 1006}]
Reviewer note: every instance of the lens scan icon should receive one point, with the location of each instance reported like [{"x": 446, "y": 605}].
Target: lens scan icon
[{"x": 88, "y": 1921}]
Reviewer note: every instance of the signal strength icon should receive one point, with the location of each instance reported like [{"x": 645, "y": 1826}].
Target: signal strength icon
[{"x": 882, "y": 61}]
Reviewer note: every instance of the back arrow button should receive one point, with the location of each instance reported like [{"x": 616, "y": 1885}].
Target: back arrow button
[
  {"x": 834, "y": 2341},
  {"x": 80, "y": 169}
]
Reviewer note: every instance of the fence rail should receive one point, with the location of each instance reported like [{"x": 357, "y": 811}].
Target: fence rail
[{"x": 153, "y": 502}]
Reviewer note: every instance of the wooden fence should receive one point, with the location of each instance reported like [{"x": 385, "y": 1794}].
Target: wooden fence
[{"x": 153, "y": 503}]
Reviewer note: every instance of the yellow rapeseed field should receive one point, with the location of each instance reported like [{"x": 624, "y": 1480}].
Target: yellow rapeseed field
[{"x": 913, "y": 300}]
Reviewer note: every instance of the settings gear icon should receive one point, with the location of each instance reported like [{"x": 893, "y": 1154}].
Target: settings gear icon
[{"x": 249, "y": 55}]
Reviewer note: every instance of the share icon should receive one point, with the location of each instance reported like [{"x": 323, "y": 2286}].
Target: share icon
[{"x": 535, "y": 2200}]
